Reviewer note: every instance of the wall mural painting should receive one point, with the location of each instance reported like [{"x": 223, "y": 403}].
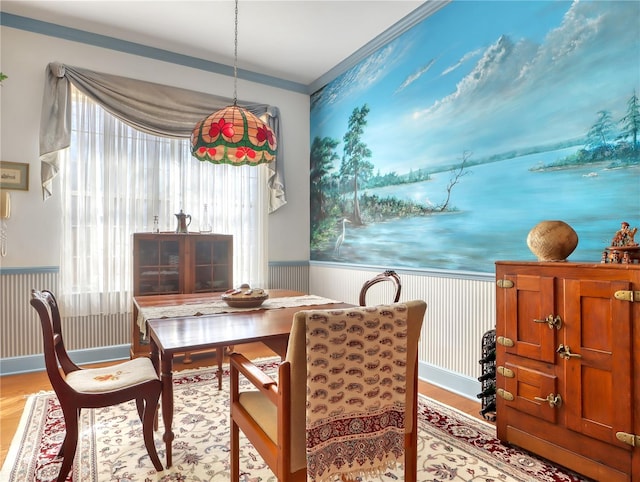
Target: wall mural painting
[{"x": 446, "y": 146}]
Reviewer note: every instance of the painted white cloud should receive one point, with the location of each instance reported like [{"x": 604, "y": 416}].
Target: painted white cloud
[
  {"x": 519, "y": 94},
  {"x": 415, "y": 76},
  {"x": 516, "y": 93},
  {"x": 360, "y": 77},
  {"x": 465, "y": 58}
]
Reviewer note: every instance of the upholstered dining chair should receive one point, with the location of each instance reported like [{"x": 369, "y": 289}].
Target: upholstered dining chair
[
  {"x": 388, "y": 275},
  {"x": 78, "y": 388},
  {"x": 344, "y": 372}
]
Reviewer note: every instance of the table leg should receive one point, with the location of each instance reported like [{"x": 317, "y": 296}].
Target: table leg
[
  {"x": 219, "y": 360},
  {"x": 167, "y": 403},
  {"x": 154, "y": 354},
  {"x": 155, "y": 357}
]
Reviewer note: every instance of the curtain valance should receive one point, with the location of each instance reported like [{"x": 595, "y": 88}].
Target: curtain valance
[{"x": 157, "y": 109}]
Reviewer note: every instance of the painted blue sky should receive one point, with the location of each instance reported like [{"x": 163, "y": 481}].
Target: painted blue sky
[{"x": 488, "y": 77}]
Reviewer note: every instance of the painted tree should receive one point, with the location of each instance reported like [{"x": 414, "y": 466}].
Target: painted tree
[
  {"x": 631, "y": 121},
  {"x": 355, "y": 164},
  {"x": 457, "y": 173},
  {"x": 323, "y": 155},
  {"x": 600, "y": 132}
]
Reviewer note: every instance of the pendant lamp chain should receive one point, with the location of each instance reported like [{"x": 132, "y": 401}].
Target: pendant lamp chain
[
  {"x": 234, "y": 135},
  {"x": 235, "y": 59}
]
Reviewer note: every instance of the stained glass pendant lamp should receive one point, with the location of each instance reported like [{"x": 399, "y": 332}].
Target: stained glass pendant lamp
[{"x": 233, "y": 135}]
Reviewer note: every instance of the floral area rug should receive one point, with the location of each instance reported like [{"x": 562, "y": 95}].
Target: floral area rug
[{"x": 452, "y": 446}]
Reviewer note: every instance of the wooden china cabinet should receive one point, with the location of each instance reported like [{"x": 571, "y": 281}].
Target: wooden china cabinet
[
  {"x": 171, "y": 263},
  {"x": 568, "y": 364}
]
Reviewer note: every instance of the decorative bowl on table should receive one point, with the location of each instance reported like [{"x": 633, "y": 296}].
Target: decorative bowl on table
[{"x": 245, "y": 297}]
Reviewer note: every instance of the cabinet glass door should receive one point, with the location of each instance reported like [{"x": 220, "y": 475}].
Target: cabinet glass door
[
  {"x": 212, "y": 265},
  {"x": 159, "y": 266}
]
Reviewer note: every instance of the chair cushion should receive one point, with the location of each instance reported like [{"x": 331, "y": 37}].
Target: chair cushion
[
  {"x": 114, "y": 377},
  {"x": 262, "y": 410},
  {"x": 265, "y": 414}
]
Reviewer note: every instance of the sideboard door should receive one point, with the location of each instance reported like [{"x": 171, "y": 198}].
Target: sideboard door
[
  {"x": 598, "y": 374},
  {"x": 527, "y": 304}
]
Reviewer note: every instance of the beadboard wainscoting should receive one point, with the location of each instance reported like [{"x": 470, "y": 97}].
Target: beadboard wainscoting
[
  {"x": 461, "y": 308},
  {"x": 89, "y": 338},
  {"x": 289, "y": 276},
  {"x": 20, "y": 331}
]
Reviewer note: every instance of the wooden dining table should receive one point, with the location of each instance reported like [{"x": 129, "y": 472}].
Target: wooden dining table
[{"x": 174, "y": 335}]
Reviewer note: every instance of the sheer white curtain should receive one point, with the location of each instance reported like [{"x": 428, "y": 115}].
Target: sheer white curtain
[{"x": 115, "y": 179}]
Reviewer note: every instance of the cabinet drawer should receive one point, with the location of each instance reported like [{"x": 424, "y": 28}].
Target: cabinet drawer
[{"x": 530, "y": 389}]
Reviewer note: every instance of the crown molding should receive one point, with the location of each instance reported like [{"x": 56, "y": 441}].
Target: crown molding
[
  {"x": 425, "y": 10},
  {"x": 81, "y": 36},
  {"x": 53, "y": 30}
]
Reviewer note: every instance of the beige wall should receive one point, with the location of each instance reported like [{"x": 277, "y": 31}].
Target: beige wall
[{"x": 33, "y": 229}]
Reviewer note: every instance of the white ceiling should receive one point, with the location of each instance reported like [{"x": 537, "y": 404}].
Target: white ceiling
[{"x": 295, "y": 40}]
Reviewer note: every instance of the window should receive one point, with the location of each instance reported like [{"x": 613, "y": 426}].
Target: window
[{"x": 115, "y": 179}]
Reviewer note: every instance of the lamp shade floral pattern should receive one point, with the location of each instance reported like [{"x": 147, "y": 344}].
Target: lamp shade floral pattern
[{"x": 233, "y": 136}]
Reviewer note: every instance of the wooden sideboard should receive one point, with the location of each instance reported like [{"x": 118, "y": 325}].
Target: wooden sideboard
[
  {"x": 171, "y": 263},
  {"x": 568, "y": 358}
]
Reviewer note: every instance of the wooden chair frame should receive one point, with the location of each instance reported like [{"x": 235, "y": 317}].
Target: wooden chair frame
[
  {"x": 58, "y": 364},
  {"x": 388, "y": 275},
  {"x": 285, "y": 396}
]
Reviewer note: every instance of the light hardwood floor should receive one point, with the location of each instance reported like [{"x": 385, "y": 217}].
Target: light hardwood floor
[{"x": 15, "y": 388}]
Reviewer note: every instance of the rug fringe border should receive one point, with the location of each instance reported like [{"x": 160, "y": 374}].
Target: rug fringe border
[{"x": 488, "y": 425}]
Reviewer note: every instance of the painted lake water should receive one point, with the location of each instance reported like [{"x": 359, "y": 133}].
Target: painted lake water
[{"x": 495, "y": 207}]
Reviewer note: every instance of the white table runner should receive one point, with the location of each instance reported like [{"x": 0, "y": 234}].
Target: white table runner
[{"x": 219, "y": 306}]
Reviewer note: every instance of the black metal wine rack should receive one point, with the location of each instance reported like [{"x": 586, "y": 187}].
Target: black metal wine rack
[{"x": 487, "y": 394}]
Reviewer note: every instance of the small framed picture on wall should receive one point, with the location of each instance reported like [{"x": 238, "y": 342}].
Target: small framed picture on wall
[{"x": 14, "y": 175}]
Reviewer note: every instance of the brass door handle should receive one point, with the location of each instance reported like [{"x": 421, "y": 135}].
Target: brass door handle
[
  {"x": 553, "y": 400},
  {"x": 565, "y": 352},
  {"x": 552, "y": 321}
]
